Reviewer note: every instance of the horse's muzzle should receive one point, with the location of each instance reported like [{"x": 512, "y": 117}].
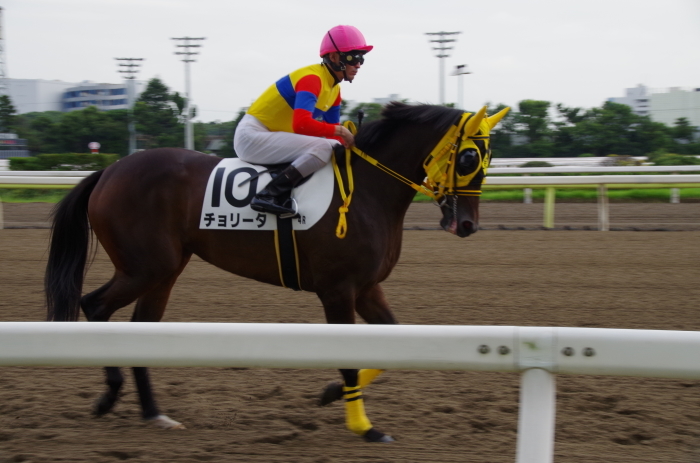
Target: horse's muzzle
[
  {"x": 467, "y": 228},
  {"x": 461, "y": 229},
  {"x": 462, "y": 220}
]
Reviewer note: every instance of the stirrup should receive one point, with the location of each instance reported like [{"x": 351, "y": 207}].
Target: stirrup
[{"x": 295, "y": 208}]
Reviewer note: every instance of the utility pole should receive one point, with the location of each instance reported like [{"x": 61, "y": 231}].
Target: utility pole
[
  {"x": 3, "y": 70},
  {"x": 129, "y": 74},
  {"x": 185, "y": 43},
  {"x": 460, "y": 70},
  {"x": 441, "y": 49}
]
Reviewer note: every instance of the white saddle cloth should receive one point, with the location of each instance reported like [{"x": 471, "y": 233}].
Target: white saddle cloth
[{"x": 227, "y": 203}]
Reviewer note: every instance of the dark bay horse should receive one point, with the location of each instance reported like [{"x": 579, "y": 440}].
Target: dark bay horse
[{"x": 145, "y": 211}]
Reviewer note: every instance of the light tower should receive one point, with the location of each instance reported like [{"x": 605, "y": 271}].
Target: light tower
[
  {"x": 442, "y": 54},
  {"x": 459, "y": 71},
  {"x": 3, "y": 70},
  {"x": 132, "y": 68},
  {"x": 189, "y": 139}
]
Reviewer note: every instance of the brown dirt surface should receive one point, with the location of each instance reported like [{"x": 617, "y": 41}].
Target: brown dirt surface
[{"x": 622, "y": 279}]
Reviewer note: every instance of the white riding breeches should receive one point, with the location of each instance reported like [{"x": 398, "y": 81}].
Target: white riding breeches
[{"x": 256, "y": 144}]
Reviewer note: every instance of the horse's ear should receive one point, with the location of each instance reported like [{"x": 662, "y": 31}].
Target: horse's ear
[
  {"x": 496, "y": 118},
  {"x": 475, "y": 122}
]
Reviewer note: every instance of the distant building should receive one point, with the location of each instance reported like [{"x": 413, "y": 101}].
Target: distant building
[
  {"x": 388, "y": 99},
  {"x": 12, "y": 147},
  {"x": 663, "y": 105},
  {"x": 37, "y": 95},
  {"x": 103, "y": 96}
]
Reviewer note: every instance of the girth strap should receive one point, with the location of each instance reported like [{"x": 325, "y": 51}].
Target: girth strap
[{"x": 287, "y": 255}]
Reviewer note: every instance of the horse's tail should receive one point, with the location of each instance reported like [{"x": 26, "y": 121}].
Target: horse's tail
[{"x": 68, "y": 251}]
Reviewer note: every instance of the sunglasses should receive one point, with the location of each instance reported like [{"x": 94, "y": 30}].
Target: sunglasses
[{"x": 353, "y": 59}]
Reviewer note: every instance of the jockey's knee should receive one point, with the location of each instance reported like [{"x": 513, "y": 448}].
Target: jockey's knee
[{"x": 309, "y": 163}]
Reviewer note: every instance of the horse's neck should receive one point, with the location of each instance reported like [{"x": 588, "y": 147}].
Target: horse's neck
[{"x": 405, "y": 157}]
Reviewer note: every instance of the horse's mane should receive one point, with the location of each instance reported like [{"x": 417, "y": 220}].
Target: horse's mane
[{"x": 396, "y": 114}]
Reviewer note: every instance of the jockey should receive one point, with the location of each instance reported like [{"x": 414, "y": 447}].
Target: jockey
[{"x": 283, "y": 124}]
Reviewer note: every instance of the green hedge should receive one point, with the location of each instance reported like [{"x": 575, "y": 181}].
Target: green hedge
[{"x": 69, "y": 161}]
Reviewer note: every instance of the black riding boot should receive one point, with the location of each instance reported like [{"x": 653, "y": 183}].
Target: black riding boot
[{"x": 268, "y": 200}]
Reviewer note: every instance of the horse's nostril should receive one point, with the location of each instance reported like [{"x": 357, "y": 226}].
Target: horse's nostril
[{"x": 468, "y": 225}]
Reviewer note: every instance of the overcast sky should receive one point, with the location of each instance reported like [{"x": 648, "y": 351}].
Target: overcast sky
[{"x": 576, "y": 52}]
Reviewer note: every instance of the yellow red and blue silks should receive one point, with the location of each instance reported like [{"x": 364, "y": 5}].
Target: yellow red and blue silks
[{"x": 297, "y": 101}]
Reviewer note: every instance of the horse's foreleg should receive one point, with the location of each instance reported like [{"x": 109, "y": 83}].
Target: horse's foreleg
[
  {"x": 340, "y": 308},
  {"x": 355, "y": 417},
  {"x": 373, "y": 308}
]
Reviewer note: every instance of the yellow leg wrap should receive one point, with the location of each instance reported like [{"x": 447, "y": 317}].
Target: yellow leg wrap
[
  {"x": 355, "y": 418},
  {"x": 367, "y": 376}
]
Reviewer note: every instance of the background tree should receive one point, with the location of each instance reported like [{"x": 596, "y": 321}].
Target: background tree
[
  {"x": 157, "y": 116},
  {"x": 7, "y": 114},
  {"x": 685, "y": 138},
  {"x": 77, "y": 129},
  {"x": 501, "y": 136},
  {"x": 532, "y": 123},
  {"x": 373, "y": 111}
]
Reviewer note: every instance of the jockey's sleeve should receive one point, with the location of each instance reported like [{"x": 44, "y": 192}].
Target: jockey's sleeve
[{"x": 307, "y": 90}]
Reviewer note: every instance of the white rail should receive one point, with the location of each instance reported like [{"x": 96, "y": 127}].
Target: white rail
[
  {"x": 594, "y": 180},
  {"x": 591, "y": 169},
  {"x": 68, "y": 178},
  {"x": 537, "y": 352}
]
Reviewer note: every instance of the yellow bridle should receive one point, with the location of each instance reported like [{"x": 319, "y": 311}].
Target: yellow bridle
[{"x": 441, "y": 178}]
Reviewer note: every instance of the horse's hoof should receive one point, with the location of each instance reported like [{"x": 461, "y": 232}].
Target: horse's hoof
[
  {"x": 332, "y": 392},
  {"x": 377, "y": 436},
  {"x": 165, "y": 422},
  {"x": 103, "y": 405}
]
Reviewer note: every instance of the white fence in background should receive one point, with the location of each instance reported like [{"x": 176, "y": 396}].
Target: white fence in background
[
  {"x": 68, "y": 178},
  {"x": 537, "y": 352}
]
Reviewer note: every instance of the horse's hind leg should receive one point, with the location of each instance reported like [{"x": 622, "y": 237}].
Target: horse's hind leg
[
  {"x": 150, "y": 308},
  {"x": 100, "y": 305}
]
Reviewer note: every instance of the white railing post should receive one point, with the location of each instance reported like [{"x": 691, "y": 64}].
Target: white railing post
[
  {"x": 527, "y": 193},
  {"x": 549, "y": 199},
  {"x": 537, "y": 415},
  {"x": 603, "y": 208},
  {"x": 675, "y": 195}
]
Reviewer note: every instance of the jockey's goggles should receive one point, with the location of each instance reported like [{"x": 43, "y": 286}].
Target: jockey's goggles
[{"x": 352, "y": 58}]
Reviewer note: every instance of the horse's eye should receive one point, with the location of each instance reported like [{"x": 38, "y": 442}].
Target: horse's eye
[{"x": 468, "y": 162}]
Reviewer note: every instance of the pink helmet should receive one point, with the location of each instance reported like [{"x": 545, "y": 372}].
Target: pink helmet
[{"x": 343, "y": 39}]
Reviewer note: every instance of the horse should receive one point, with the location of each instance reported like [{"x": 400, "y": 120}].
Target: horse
[{"x": 144, "y": 210}]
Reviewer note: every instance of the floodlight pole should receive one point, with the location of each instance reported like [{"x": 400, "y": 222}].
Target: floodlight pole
[
  {"x": 441, "y": 54},
  {"x": 460, "y": 70},
  {"x": 132, "y": 68},
  {"x": 189, "y": 138}
]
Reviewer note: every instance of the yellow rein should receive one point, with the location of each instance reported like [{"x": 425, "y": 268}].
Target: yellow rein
[{"x": 434, "y": 188}]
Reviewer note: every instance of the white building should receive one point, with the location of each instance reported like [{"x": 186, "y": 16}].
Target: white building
[
  {"x": 663, "y": 105},
  {"x": 668, "y": 106},
  {"x": 37, "y": 95},
  {"x": 103, "y": 96},
  {"x": 387, "y": 100}
]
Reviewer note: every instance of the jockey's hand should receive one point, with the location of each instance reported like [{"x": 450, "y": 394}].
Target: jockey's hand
[{"x": 347, "y": 137}]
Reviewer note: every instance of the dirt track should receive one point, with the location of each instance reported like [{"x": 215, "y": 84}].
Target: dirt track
[{"x": 547, "y": 278}]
